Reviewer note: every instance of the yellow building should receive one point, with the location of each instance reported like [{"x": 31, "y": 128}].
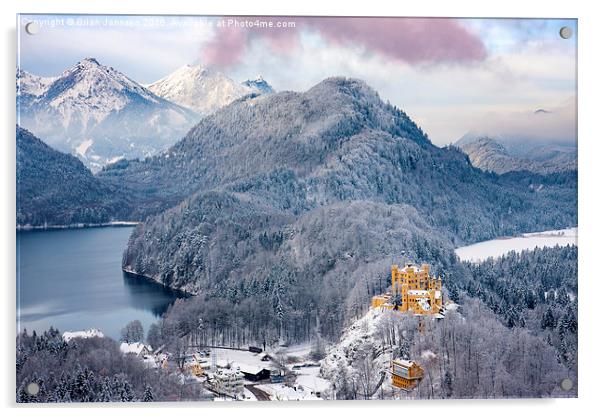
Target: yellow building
[
  {"x": 412, "y": 289},
  {"x": 405, "y": 374}
]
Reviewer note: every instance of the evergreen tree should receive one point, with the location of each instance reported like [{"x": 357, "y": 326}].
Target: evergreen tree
[
  {"x": 547, "y": 320},
  {"x": 148, "y": 394},
  {"x": 105, "y": 390}
]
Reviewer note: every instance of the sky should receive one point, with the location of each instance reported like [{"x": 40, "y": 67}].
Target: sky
[{"x": 452, "y": 76}]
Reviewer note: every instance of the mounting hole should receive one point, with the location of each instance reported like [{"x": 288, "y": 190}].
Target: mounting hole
[
  {"x": 33, "y": 389},
  {"x": 566, "y": 384},
  {"x": 32, "y": 28},
  {"x": 566, "y": 32}
]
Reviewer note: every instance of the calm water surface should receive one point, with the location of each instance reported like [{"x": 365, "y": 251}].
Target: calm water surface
[{"x": 72, "y": 280}]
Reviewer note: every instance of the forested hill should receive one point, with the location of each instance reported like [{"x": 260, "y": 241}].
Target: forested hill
[
  {"x": 304, "y": 199},
  {"x": 56, "y": 188},
  {"x": 258, "y": 135},
  {"x": 337, "y": 142}
]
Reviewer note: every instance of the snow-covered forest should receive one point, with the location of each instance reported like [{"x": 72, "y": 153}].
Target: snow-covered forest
[{"x": 90, "y": 370}]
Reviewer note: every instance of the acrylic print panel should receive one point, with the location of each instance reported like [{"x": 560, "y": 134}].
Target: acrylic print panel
[{"x": 295, "y": 208}]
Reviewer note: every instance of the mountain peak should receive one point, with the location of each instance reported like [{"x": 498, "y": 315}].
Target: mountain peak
[
  {"x": 346, "y": 85},
  {"x": 541, "y": 111},
  {"x": 202, "y": 89},
  {"x": 259, "y": 85},
  {"x": 88, "y": 63}
]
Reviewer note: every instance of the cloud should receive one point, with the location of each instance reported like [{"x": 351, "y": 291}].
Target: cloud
[
  {"x": 552, "y": 124},
  {"x": 408, "y": 40}
]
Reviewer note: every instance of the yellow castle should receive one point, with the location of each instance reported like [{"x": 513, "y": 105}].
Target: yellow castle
[{"x": 412, "y": 289}]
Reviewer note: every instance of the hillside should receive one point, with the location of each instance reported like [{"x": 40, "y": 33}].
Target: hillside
[
  {"x": 56, "y": 188},
  {"x": 495, "y": 155},
  {"x": 304, "y": 199},
  {"x": 99, "y": 114},
  {"x": 336, "y": 142}
]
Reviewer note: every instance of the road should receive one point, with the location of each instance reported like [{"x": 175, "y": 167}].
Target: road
[{"x": 261, "y": 395}]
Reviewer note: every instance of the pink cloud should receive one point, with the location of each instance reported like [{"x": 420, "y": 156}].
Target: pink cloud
[{"x": 410, "y": 40}]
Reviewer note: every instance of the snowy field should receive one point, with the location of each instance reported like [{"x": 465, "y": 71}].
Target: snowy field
[
  {"x": 309, "y": 377},
  {"x": 240, "y": 359},
  {"x": 280, "y": 392},
  {"x": 496, "y": 248}
]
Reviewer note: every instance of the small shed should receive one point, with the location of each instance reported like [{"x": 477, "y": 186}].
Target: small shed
[{"x": 253, "y": 373}]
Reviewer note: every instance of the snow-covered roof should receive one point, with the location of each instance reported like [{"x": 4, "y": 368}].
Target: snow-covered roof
[
  {"x": 88, "y": 333},
  {"x": 409, "y": 267},
  {"x": 418, "y": 292},
  {"x": 133, "y": 348},
  {"x": 404, "y": 363},
  {"x": 250, "y": 369},
  {"x": 228, "y": 374}
]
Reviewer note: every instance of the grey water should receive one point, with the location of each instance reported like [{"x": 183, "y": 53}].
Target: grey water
[{"x": 72, "y": 280}]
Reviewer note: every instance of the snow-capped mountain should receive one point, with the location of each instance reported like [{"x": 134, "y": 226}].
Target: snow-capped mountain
[
  {"x": 33, "y": 85},
  {"x": 99, "y": 114},
  {"x": 203, "y": 90},
  {"x": 259, "y": 84}
]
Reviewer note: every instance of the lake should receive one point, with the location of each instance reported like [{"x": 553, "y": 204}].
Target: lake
[
  {"x": 72, "y": 279},
  {"x": 499, "y": 246}
]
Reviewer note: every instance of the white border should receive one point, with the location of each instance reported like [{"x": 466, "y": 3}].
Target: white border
[{"x": 590, "y": 135}]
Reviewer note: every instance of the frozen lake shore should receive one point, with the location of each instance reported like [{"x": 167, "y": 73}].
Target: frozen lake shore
[{"x": 500, "y": 246}]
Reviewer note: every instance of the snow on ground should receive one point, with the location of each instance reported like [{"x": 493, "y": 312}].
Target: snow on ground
[
  {"x": 248, "y": 396},
  {"x": 88, "y": 333},
  {"x": 83, "y": 147},
  {"x": 500, "y": 246},
  {"x": 309, "y": 377},
  {"x": 298, "y": 350},
  {"x": 361, "y": 335},
  {"x": 240, "y": 359},
  {"x": 280, "y": 392}
]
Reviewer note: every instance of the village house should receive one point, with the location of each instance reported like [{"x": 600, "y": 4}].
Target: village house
[
  {"x": 254, "y": 373},
  {"x": 405, "y": 374},
  {"x": 136, "y": 348}
]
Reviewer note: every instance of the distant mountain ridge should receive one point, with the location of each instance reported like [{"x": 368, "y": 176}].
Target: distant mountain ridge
[
  {"x": 204, "y": 90},
  {"x": 259, "y": 84},
  {"x": 491, "y": 154},
  {"x": 99, "y": 114}
]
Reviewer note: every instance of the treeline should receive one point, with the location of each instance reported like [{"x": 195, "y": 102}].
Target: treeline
[
  {"x": 535, "y": 289},
  {"x": 90, "y": 370}
]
